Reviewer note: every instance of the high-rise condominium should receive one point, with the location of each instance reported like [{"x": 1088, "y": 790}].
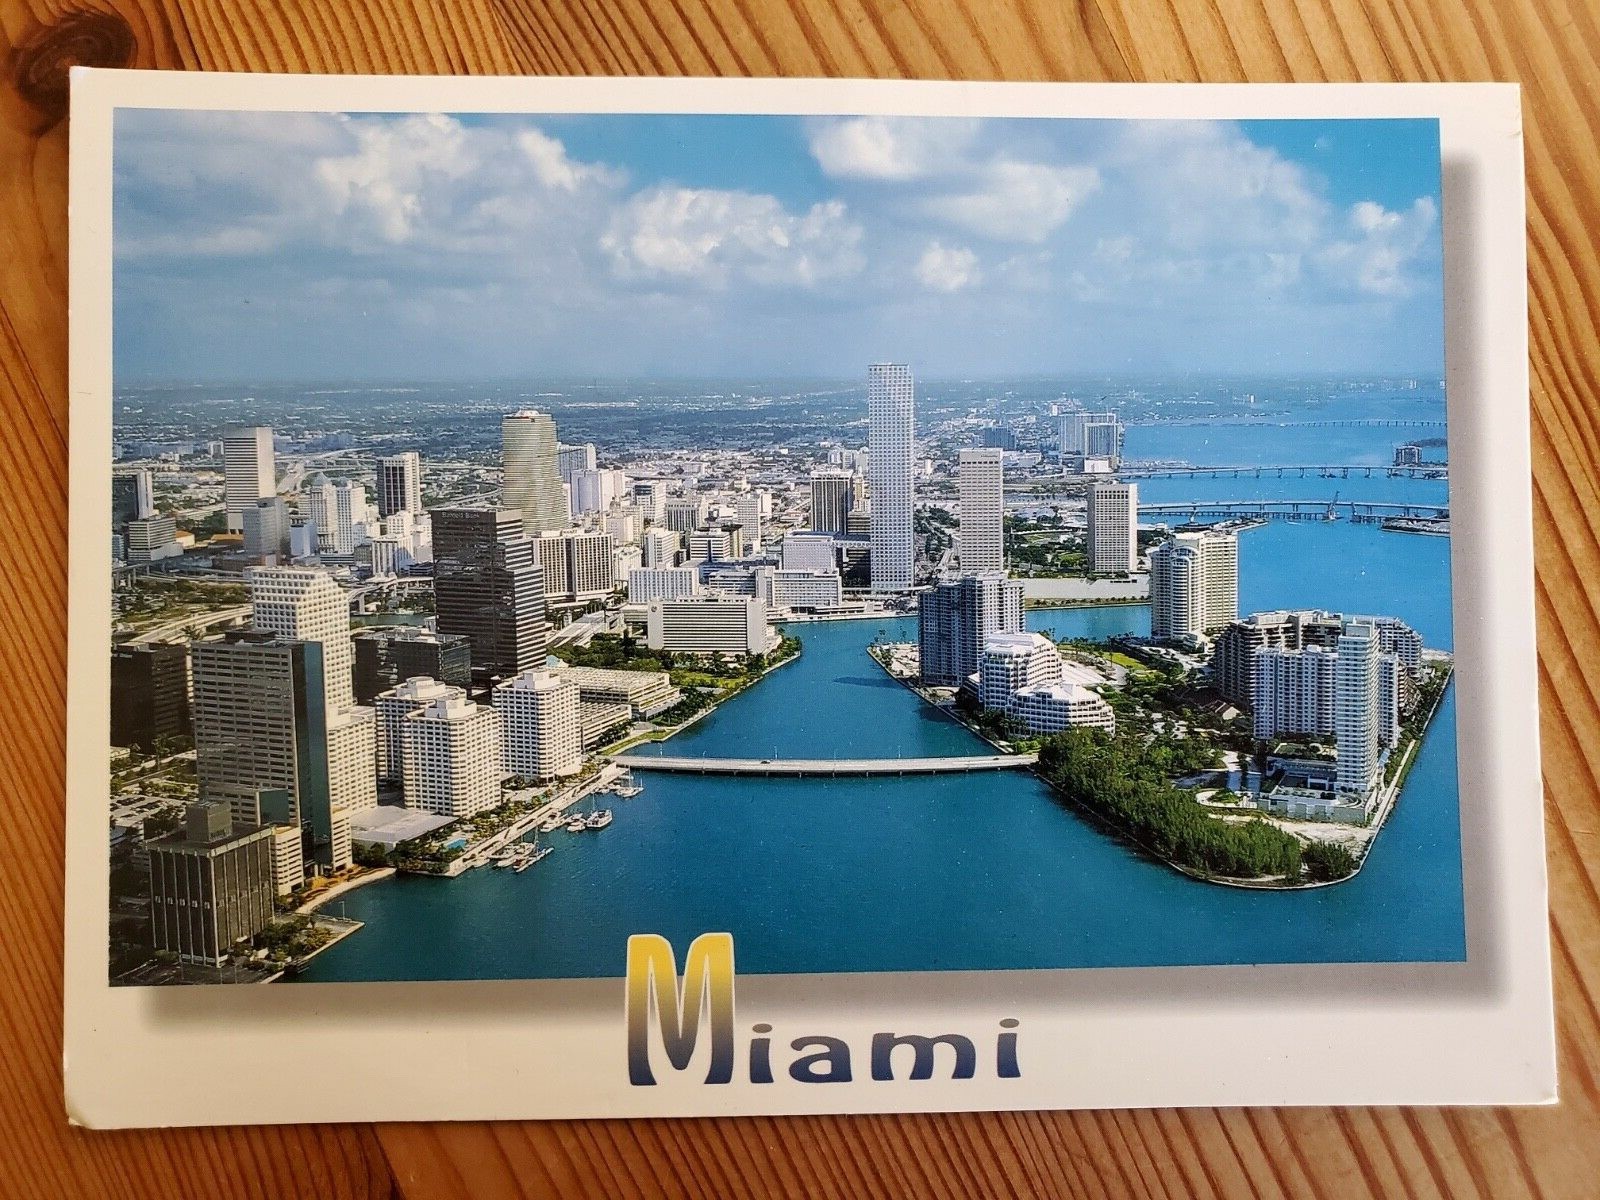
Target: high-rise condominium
[
  {"x": 1355, "y": 706},
  {"x": 249, "y": 471},
  {"x": 1111, "y": 526},
  {"x": 891, "y": 439},
  {"x": 956, "y": 617},
  {"x": 532, "y": 476},
  {"x": 833, "y": 495},
  {"x": 400, "y": 483},
  {"x": 539, "y": 717},
  {"x": 982, "y": 490},
  {"x": 489, "y": 587},
  {"x": 1194, "y": 584},
  {"x": 451, "y": 758}
]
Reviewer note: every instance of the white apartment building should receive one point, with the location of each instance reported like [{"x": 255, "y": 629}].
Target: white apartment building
[
  {"x": 288, "y": 859},
  {"x": 352, "y": 747},
  {"x": 1194, "y": 585},
  {"x": 662, "y": 583},
  {"x": 532, "y": 478},
  {"x": 1111, "y": 527},
  {"x": 1292, "y": 690},
  {"x": 710, "y": 545},
  {"x": 400, "y": 483},
  {"x": 1010, "y": 662},
  {"x": 249, "y": 470},
  {"x": 540, "y": 730},
  {"x": 578, "y": 565},
  {"x": 623, "y": 522},
  {"x": 1055, "y": 708},
  {"x": 452, "y": 757},
  {"x": 891, "y": 440},
  {"x": 747, "y": 511},
  {"x": 1355, "y": 706},
  {"x": 980, "y": 478},
  {"x": 709, "y": 625},
  {"x": 392, "y": 708}
]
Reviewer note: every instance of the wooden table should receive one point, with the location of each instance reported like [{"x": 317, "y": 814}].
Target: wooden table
[{"x": 1550, "y": 47}]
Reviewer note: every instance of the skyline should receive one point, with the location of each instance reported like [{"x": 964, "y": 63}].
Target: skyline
[{"x": 387, "y": 246}]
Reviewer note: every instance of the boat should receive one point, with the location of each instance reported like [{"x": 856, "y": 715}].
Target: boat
[
  {"x": 599, "y": 819},
  {"x": 552, "y": 823},
  {"x": 577, "y": 823}
]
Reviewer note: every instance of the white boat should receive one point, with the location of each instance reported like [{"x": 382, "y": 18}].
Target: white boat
[
  {"x": 577, "y": 823},
  {"x": 598, "y": 820},
  {"x": 552, "y": 823}
]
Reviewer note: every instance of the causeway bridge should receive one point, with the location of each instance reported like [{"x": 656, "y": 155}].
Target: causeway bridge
[
  {"x": 1362, "y": 512},
  {"x": 825, "y": 766},
  {"x": 1285, "y": 471}
]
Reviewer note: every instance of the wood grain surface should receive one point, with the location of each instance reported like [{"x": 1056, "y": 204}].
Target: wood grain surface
[{"x": 1550, "y": 48}]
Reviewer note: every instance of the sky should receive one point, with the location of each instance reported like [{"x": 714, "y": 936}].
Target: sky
[{"x": 283, "y": 247}]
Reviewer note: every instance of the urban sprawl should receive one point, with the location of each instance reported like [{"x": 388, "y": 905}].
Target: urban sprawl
[{"x": 318, "y": 679}]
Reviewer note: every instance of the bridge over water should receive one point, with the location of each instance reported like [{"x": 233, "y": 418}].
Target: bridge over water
[
  {"x": 1359, "y": 511},
  {"x": 826, "y": 766},
  {"x": 1285, "y": 471}
]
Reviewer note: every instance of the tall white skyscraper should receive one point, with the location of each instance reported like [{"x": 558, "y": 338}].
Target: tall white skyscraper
[
  {"x": 400, "y": 483},
  {"x": 891, "y": 442},
  {"x": 304, "y": 604},
  {"x": 1111, "y": 527},
  {"x": 393, "y": 707},
  {"x": 1355, "y": 706},
  {"x": 249, "y": 471},
  {"x": 532, "y": 476},
  {"x": 982, "y": 487}
]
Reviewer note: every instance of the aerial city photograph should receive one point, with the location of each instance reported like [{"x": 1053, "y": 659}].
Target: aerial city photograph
[{"x": 907, "y": 544}]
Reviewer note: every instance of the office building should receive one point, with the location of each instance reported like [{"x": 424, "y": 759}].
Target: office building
[
  {"x": 659, "y": 547},
  {"x": 305, "y": 604},
  {"x": 732, "y": 580},
  {"x": 489, "y": 588},
  {"x": 956, "y": 617},
  {"x": 577, "y": 565},
  {"x": 390, "y": 654},
  {"x": 151, "y": 539},
  {"x": 304, "y": 544},
  {"x": 809, "y": 552},
  {"x": 747, "y": 507},
  {"x": 540, "y": 730},
  {"x": 266, "y": 531},
  {"x": 572, "y": 459},
  {"x": 662, "y": 583},
  {"x": 1356, "y": 721},
  {"x": 685, "y": 513},
  {"x": 149, "y": 694},
  {"x": 249, "y": 471},
  {"x": 622, "y": 523},
  {"x": 596, "y": 490},
  {"x": 650, "y": 495},
  {"x": 451, "y": 754},
  {"x": 1085, "y": 436},
  {"x": 646, "y": 694},
  {"x": 982, "y": 497},
  {"x": 1057, "y": 707},
  {"x": 1194, "y": 585},
  {"x": 833, "y": 495},
  {"x": 132, "y": 497},
  {"x": 532, "y": 477},
  {"x": 998, "y": 437},
  {"x": 1111, "y": 528},
  {"x": 336, "y": 508},
  {"x": 800, "y": 591},
  {"x": 1010, "y": 662},
  {"x": 210, "y": 886},
  {"x": 400, "y": 483},
  {"x": 392, "y": 707},
  {"x": 710, "y": 545},
  {"x": 709, "y": 625},
  {"x": 891, "y": 440},
  {"x": 380, "y": 556}
]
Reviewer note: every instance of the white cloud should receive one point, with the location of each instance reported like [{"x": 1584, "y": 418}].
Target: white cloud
[
  {"x": 947, "y": 268},
  {"x": 1017, "y": 201},
  {"x": 890, "y": 148},
  {"x": 393, "y": 167},
  {"x": 554, "y": 169},
  {"x": 1377, "y": 259},
  {"x": 714, "y": 237}
]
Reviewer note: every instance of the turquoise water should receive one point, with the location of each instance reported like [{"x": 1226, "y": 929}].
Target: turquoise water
[{"x": 944, "y": 873}]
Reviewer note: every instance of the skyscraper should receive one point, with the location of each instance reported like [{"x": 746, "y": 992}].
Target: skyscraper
[
  {"x": 957, "y": 616},
  {"x": 132, "y": 497},
  {"x": 1355, "y": 706},
  {"x": 982, "y": 489},
  {"x": 833, "y": 495},
  {"x": 532, "y": 476},
  {"x": 891, "y": 442},
  {"x": 210, "y": 885},
  {"x": 1194, "y": 584},
  {"x": 489, "y": 587},
  {"x": 389, "y": 654},
  {"x": 266, "y": 530},
  {"x": 393, "y": 707},
  {"x": 1111, "y": 527},
  {"x": 452, "y": 757},
  {"x": 577, "y": 564},
  {"x": 400, "y": 483},
  {"x": 747, "y": 511},
  {"x": 249, "y": 470},
  {"x": 1088, "y": 435},
  {"x": 149, "y": 693}
]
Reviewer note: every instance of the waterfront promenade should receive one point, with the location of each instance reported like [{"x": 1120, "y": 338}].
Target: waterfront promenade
[{"x": 828, "y": 766}]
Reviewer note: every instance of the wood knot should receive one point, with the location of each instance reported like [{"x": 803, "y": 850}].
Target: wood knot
[{"x": 88, "y": 39}]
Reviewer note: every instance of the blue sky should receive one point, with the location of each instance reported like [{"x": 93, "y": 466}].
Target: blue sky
[{"x": 262, "y": 247}]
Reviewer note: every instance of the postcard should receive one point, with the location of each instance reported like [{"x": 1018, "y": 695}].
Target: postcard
[{"x": 642, "y": 597}]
